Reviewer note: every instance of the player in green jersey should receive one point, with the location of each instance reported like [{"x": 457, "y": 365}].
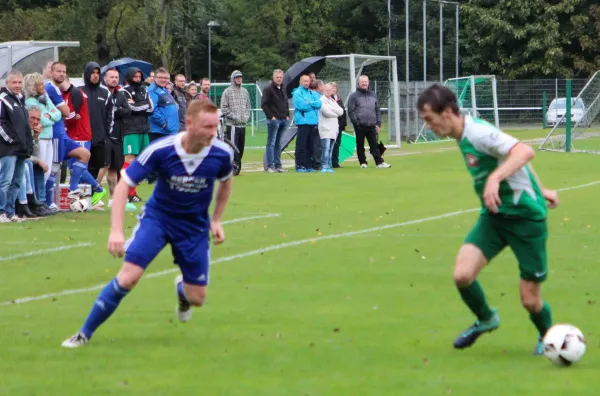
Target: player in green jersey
[{"x": 513, "y": 213}]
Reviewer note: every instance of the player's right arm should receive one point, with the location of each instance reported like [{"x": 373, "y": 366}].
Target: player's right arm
[
  {"x": 56, "y": 97},
  {"x": 138, "y": 170}
]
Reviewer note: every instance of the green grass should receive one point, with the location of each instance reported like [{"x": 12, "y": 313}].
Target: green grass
[{"x": 366, "y": 314}]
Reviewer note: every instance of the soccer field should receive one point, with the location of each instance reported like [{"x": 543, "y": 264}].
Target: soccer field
[{"x": 328, "y": 284}]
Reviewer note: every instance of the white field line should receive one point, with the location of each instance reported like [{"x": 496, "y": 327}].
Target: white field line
[
  {"x": 43, "y": 251},
  {"x": 267, "y": 216},
  {"x": 272, "y": 248}
]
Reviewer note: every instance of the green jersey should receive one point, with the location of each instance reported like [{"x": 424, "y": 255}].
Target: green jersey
[{"x": 484, "y": 148}]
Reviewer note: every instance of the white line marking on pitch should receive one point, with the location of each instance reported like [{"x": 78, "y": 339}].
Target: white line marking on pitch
[
  {"x": 267, "y": 216},
  {"x": 42, "y": 251},
  {"x": 272, "y": 248}
]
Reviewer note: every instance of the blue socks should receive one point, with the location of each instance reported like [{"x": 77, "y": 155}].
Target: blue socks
[
  {"x": 89, "y": 179},
  {"x": 180, "y": 291},
  {"x": 107, "y": 302},
  {"x": 77, "y": 170},
  {"x": 50, "y": 189}
]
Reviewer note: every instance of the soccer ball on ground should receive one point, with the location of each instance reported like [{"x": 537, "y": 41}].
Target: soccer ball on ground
[
  {"x": 79, "y": 205},
  {"x": 564, "y": 344}
]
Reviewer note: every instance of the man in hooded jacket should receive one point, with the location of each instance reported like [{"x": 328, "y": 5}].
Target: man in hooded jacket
[
  {"x": 101, "y": 119},
  {"x": 235, "y": 106}
]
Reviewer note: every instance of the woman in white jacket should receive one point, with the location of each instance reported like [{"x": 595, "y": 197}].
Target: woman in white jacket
[{"x": 328, "y": 126}]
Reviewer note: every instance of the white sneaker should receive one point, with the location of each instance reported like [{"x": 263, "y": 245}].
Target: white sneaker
[
  {"x": 4, "y": 219},
  {"x": 363, "y": 166},
  {"x": 14, "y": 219},
  {"x": 109, "y": 203},
  {"x": 53, "y": 207},
  {"x": 76, "y": 194},
  {"x": 183, "y": 308},
  {"x": 77, "y": 340},
  {"x": 384, "y": 165}
]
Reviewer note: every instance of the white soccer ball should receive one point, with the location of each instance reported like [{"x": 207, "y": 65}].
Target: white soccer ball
[
  {"x": 79, "y": 205},
  {"x": 564, "y": 344}
]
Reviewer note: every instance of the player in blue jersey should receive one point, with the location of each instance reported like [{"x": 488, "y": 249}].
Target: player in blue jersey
[
  {"x": 65, "y": 148},
  {"x": 188, "y": 164}
]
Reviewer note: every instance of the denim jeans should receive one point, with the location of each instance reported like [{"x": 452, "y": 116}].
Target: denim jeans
[
  {"x": 11, "y": 175},
  {"x": 327, "y": 149},
  {"x": 26, "y": 182},
  {"x": 39, "y": 183},
  {"x": 275, "y": 130}
]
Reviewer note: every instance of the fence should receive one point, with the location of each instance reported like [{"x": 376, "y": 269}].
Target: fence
[{"x": 520, "y": 105}]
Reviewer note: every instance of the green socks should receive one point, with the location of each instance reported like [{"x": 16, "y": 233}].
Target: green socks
[
  {"x": 543, "y": 319},
  {"x": 473, "y": 296}
]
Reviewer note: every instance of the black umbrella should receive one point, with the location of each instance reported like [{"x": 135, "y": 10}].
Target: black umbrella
[
  {"x": 123, "y": 64},
  {"x": 291, "y": 78}
]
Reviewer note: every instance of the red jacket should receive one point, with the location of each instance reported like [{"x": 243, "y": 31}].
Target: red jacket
[{"x": 78, "y": 129}]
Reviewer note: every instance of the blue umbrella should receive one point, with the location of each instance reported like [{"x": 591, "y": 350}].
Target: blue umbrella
[{"x": 123, "y": 64}]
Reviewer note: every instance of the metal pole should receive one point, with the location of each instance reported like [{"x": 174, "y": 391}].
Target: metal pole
[
  {"x": 441, "y": 42},
  {"x": 209, "y": 60},
  {"x": 544, "y": 104},
  {"x": 407, "y": 14},
  {"x": 457, "y": 37},
  {"x": 568, "y": 124},
  {"x": 396, "y": 111},
  {"x": 425, "y": 41}
]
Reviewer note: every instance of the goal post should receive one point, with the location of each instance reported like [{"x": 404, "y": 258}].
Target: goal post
[
  {"x": 572, "y": 120},
  {"x": 382, "y": 71},
  {"x": 477, "y": 96}
]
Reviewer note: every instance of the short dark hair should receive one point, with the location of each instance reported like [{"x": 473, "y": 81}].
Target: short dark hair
[
  {"x": 200, "y": 106},
  {"x": 162, "y": 70},
  {"x": 111, "y": 69},
  {"x": 204, "y": 79},
  {"x": 56, "y": 64},
  {"x": 439, "y": 98}
]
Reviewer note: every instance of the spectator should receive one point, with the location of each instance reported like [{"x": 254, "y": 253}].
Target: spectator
[
  {"x": 35, "y": 95},
  {"x": 274, "y": 103},
  {"x": 165, "y": 118},
  {"x": 204, "y": 89},
  {"x": 47, "y": 71},
  {"x": 306, "y": 116},
  {"x": 191, "y": 92},
  {"x": 37, "y": 203},
  {"x": 235, "y": 106},
  {"x": 16, "y": 144},
  {"x": 179, "y": 95},
  {"x": 149, "y": 80},
  {"x": 79, "y": 131},
  {"x": 121, "y": 112},
  {"x": 328, "y": 126},
  {"x": 365, "y": 115},
  {"x": 342, "y": 122},
  {"x": 316, "y": 86},
  {"x": 136, "y": 127}
]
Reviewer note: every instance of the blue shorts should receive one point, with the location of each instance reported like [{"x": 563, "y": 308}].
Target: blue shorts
[
  {"x": 63, "y": 146},
  {"x": 191, "y": 249}
]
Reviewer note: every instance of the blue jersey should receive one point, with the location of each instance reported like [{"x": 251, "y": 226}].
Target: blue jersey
[
  {"x": 185, "y": 181},
  {"x": 54, "y": 94}
]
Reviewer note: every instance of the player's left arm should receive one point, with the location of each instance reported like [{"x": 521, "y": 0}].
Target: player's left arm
[
  {"x": 221, "y": 199},
  {"x": 550, "y": 195}
]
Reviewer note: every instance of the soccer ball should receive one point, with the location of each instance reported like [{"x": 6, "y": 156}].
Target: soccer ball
[
  {"x": 79, "y": 205},
  {"x": 564, "y": 344}
]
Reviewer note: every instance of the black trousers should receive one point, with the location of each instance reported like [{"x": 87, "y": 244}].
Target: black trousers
[
  {"x": 335, "y": 156},
  {"x": 305, "y": 145},
  {"x": 370, "y": 133},
  {"x": 152, "y": 136},
  {"x": 237, "y": 136}
]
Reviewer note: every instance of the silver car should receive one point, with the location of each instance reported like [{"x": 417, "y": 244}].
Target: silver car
[{"x": 558, "y": 108}]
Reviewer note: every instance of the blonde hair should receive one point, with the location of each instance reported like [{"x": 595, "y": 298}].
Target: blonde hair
[{"x": 29, "y": 82}]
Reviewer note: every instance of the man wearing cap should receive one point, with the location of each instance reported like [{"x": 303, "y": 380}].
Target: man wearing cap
[{"x": 235, "y": 106}]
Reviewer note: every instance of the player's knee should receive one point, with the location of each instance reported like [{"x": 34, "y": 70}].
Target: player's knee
[
  {"x": 532, "y": 303},
  {"x": 463, "y": 278},
  {"x": 197, "y": 297},
  {"x": 83, "y": 156},
  {"x": 129, "y": 276}
]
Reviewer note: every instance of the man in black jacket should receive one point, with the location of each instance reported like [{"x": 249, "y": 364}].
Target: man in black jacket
[
  {"x": 275, "y": 105},
  {"x": 16, "y": 144},
  {"x": 365, "y": 114},
  {"x": 101, "y": 120},
  {"x": 136, "y": 127},
  {"x": 179, "y": 95}
]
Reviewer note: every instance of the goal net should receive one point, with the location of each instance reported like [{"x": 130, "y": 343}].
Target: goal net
[
  {"x": 383, "y": 77},
  {"x": 576, "y": 134},
  {"x": 476, "y": 95}
]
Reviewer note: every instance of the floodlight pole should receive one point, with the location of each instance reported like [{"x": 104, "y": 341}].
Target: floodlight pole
[{"x": 210, "y": 25}]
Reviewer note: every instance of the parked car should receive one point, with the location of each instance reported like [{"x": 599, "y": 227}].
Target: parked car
[{"x": 558, "y": 108}]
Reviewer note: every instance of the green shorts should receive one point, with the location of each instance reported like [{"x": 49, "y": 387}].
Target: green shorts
[
  {"x": 526, "y": 238},
  {"x": 135, "y": 143}
]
